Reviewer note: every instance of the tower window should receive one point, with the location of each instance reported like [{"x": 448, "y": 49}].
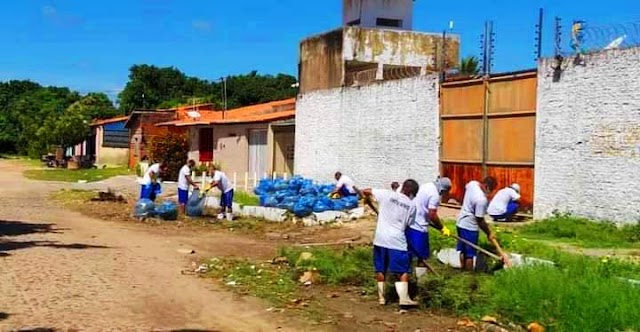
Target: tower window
[{"x": 388, "y": 22}]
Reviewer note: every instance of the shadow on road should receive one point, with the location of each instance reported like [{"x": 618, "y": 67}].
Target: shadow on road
[
  {"x": 17, "y": 245},
  {"x": 38, "y": 329},
  {"x": 192, "y": 330},
  {"x": 17, "y": 228},
  {"x": 4, "y": 315}
]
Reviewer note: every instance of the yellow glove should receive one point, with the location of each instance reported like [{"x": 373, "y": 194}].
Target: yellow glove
[
  {"x": 445, "y": 231},
  {"x": 334, "y": 196}
]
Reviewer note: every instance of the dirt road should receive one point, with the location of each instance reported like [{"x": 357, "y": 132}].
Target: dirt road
[{"x": 62, "y": 270}]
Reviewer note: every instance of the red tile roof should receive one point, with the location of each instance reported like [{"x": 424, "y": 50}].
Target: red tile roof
[{"x": 275, "y": 110}]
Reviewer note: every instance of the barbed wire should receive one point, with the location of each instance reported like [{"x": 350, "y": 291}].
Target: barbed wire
[{"x": 586, "y": 38}]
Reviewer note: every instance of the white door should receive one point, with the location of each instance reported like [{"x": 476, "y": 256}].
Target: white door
[{"x": 257, "y": 152}]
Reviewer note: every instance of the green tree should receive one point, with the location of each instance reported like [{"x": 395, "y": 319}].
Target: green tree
[
  {"x": 169, "y": 87},
  {"x": 469, "y": 66}
]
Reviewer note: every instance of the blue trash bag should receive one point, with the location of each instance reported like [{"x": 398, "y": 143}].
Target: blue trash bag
[
  {"x": 301, "y": 210},
  {"x": 320, "y": 206},
  {"x": 305, "y": 191},
  {"x": 271, "y": 201},
  {"x": 195, "y": 204},
  {"x": 263, "y": 199},
  {"x": 295, "y": 185},
  {"x": 281, "y": 195},
  {"x": 339, "y": 205},
  {"x": 280, "y": 185},
  {"x": 350, "y": 202},
  {"x": 291, "y": 199},
  {"x": 265, "y": 186},
  {"x": 308, "y": 201},
  {"x": 167, "y": 211},
  {"x": 144, "y": 208},
  {"x": 289, "y": 206}
]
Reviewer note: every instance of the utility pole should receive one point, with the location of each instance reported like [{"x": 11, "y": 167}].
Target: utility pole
[
  {"x": 539, "y": 34},
  {"x": 224, "y": 95}
]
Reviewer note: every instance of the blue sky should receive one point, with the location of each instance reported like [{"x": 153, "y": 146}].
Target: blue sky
[{"x": 89, "y": 45}]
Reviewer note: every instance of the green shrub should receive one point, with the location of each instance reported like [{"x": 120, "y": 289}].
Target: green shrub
[
  {"x": 171, "y": 149},
  {"x": 246, "y": 199}
]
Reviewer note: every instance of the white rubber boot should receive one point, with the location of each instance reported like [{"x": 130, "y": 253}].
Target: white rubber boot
[
  {"x": 420, "y": 272},
  {"x": 402, "y": 288},
  {"x": 230, "y": 216},
  {"x": 381, "y": 299},
  {"x": 220, "y": 216}
]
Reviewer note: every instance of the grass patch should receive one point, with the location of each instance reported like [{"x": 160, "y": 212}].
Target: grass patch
[
  {"x": 246, "y": 199},
  {"x": 72, "y": 195},
  {"x": 66, "y": 175},
  {"x": 336, "y": 267},
  {"x": 274, "y": 283},
  {"x": 583, "y": 232}
]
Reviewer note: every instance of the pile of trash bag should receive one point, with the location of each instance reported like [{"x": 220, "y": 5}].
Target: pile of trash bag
[
  {"x": 145, "y": 208},
  {"x": 301, "y": 196}
]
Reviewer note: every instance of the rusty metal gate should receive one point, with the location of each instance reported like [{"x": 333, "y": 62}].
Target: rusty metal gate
[{"x": 488, "y": 128}]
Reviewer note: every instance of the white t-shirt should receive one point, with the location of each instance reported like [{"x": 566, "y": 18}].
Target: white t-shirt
[
  {"x": 396, "y": 211},
  {"x": 474, "y": 205},
  {"x": 146, "y": 179},
  {"x": 185, "y": 171},
  {"x": 223, "y": 182},
  {"x": 347, "y": 183},
  {"x": 428, "y": 198},
  {"x": 498, "y": 205}
]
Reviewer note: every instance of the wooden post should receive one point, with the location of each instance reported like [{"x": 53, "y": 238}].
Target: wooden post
[
  {"x": 235, "y": 179},
  {"x": 204, "y": 179},
  {"x": 255, "y": 179},
  {"x": 275, "y": 175},
  {"x": 246, "y": 181}
]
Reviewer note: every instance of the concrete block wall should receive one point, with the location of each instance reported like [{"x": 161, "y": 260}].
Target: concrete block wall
[
  {"x": 588, "y": 138},
  {"x": 379, "y": 133}
]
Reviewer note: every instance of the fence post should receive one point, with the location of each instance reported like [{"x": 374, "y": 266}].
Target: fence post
[
  {"x": 246, "y": 181},
  {"x": 284, "y": 175},
  {"x": 275, "y": 175},
  {"x": 235, "y": 180},
  {"x": 255, "y": 179}
]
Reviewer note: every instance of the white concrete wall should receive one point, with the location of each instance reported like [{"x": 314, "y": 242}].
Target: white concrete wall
[
  {"x": 384, "y": 132},
  {"x": 371, "y": 10},
  {"x": 588, "y": 138}
]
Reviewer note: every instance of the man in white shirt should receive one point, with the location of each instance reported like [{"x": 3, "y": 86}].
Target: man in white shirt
[
  {"x": 471, "y": 220},
  {"x": 149, "y": 184},
  {"x": 390, "y": 254},
  {"x": 427, "y": 201},
  {"x": 345, "y": 186},
  {"x": 221, "y": 182},
  {"x": 504, "y": 204},
  {"x": 184, "y": 180}
]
